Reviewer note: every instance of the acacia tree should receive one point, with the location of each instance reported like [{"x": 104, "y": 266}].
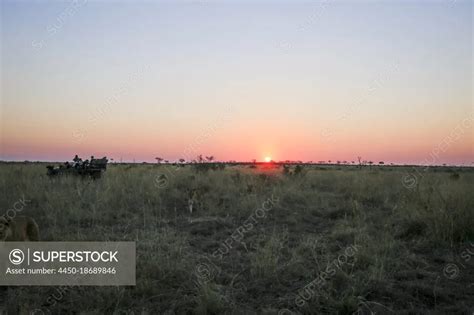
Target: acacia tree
[{"x": 158, "y": 160}]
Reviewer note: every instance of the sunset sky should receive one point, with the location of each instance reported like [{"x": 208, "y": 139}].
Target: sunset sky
[{"x": 327, "y": 80}]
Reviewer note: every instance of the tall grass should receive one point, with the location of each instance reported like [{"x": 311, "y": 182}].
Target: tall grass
[{"x": 321, "y": 211}]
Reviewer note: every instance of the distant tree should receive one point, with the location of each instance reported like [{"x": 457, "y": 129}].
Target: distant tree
[
  {"x": 298, "y": 170},
  {"x": 381, "y": 163},
  {"x": 210, "y": 158},
  {"x": 254, "y": 161},
  {"x": 200, "y": 158},
  {"x": 158, "y": 160},
  {"x": 182, "y": 160},
  {"x": 286, "y": 169}
]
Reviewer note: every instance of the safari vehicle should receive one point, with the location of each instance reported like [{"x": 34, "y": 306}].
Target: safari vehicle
[{"x": 93, "y": 168}]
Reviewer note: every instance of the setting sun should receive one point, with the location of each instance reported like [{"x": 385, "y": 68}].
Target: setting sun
[{"x": 268, "y": 159}]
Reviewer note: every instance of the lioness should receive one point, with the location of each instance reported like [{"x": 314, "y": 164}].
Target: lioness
[
  {"x": 194, "y": 199},
  {"x": 20, "y": 228}
]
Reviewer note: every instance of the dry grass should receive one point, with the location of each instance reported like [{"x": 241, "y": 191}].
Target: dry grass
[{"x": 404, "y": 238}]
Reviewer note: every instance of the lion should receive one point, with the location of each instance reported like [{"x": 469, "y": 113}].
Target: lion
[
  {"x": 20, "y": 228},
  {"x": 194, "y": 200}
]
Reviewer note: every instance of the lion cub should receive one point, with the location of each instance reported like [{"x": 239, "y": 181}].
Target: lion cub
[{"x": 20, "y": 228}]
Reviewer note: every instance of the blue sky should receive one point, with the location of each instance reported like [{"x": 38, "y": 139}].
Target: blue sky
[{"x": 305, "y": 80}]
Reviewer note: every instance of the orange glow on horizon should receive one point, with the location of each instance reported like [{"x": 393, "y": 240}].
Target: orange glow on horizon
[{"x": 268, "y": 159}]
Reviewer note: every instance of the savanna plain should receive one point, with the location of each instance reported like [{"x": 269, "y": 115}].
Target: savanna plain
[{"x": 260, "y": 239}]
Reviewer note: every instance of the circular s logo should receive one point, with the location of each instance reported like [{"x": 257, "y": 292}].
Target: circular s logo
[
  {"x": 409, "y": 181},
  {"x": 161, "y": 181},
  {"x": 16, "y": 256},
  {"x": 451, "y": 271}
]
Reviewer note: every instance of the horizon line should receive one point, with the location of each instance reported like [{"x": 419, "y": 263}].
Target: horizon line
[{"x": 281, "y": 162}]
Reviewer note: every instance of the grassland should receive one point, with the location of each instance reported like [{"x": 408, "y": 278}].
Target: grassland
[{"x": 376, "y": 240}]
